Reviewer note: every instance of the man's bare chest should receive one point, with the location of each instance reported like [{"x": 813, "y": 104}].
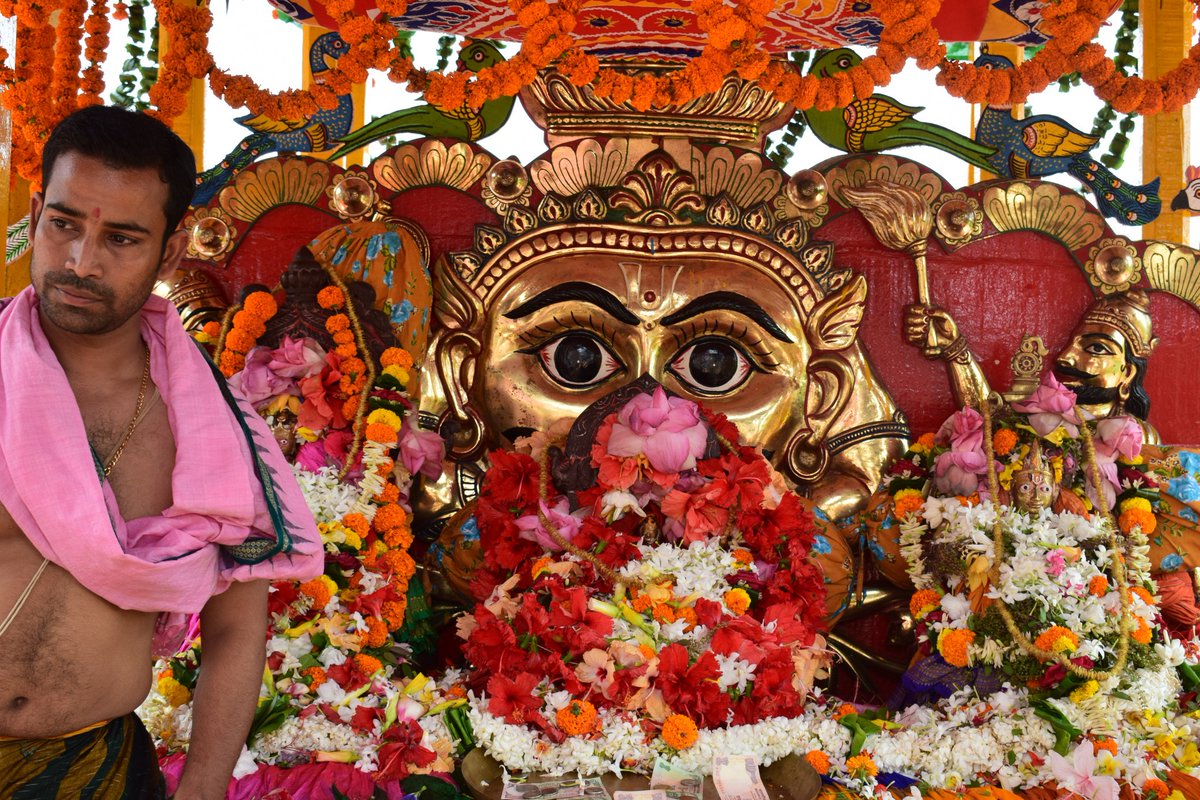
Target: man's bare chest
[{"x": 140, "y": 460}]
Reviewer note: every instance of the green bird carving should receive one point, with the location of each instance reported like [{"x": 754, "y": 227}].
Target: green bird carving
[
  {"x": 430, "y": 120},
  {"x": 879, "y": 122}
]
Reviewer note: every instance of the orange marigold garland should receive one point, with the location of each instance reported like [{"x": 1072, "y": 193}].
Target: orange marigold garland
[{"x": 243, "y": 327}]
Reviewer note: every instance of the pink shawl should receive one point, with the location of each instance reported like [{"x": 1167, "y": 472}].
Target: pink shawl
[{"x": 173, "y": 562}]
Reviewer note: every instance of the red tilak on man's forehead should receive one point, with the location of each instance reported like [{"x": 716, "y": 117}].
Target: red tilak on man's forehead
[{"x": 96, "y": 212}]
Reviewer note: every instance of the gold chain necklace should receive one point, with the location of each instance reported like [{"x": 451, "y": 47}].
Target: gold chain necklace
[{"x": 115, "y": 456}]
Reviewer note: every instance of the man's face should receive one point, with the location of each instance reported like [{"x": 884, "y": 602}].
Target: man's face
[
  {"x": 1093, "y": 364},
  {"x": 97, "y": 245},
  {"x": 574, "y": 328}
]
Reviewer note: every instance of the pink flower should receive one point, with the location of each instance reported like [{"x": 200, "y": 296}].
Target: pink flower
[
  {"x": 421, "y": 451},
  {"x": 1077, "y": 774},
  {"x": 957, "y": 472},
  {"x": 297, "y": 358},
  {"x": 258, "y": 381},
  {"x": 1051, "y": 405},
  {"x": 667, "y": 430},
  {"x": 531, "y": 528},
  {"x": 1119, "y": 436},
  {"x": 963, "y": 430},
  {"x": 1056, "y": 562}
]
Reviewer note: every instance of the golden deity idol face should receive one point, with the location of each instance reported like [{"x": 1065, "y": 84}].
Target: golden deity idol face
[
  {"x": 578, "y": 326},
  {"x": 1095, "y": 359}
]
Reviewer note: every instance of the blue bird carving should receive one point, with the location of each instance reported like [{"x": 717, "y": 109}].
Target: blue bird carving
[
  {"x": 311, "y": 135},
  {"x": 1047, "y": 145}
]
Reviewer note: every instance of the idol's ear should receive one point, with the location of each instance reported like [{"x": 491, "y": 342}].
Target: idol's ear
[
  {"x": 455, "y": 360},
  {"x": 830, "y": 384},
  {"x": 834, "y": 322}
]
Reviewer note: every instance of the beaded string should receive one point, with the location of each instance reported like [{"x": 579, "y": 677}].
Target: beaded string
[{"x": 1114, "y": 546}]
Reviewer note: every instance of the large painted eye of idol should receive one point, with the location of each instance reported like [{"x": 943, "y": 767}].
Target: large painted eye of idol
[{"x": 578, "y": 326}]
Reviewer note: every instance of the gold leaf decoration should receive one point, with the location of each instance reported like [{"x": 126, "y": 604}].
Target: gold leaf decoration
[
  {"x": 858, "y": 171},
  {"x": 272, "y": 183},
  {"x": 1173, "y": 268},
  {"x": 1046, "y": 208},
  {"x": 748, "y": 179},
  {"x": 432, "y": 163},
  {"x": 571, "y": 168}
]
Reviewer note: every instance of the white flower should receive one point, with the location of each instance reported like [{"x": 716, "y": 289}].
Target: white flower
[
  {"x": 957, "y": 609},
  {"x": 734, "y": 672},
  {"x": 615, "y": 504}
]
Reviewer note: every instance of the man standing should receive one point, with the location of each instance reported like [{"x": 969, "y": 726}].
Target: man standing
[{"x": 134, "y": 488}]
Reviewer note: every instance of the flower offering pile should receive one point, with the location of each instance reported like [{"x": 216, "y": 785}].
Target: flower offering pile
[
  {"x": 334, "y": 708},
  {"x": 646, "y": 592}
]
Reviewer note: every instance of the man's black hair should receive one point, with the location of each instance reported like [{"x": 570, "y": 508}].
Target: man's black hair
[
  {"x": 127, "y": 140},
  {"x": 1138, "y": 403}
]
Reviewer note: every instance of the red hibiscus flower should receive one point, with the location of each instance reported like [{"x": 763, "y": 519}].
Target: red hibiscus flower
[
  {"x": 511, "y": 699},
  {"x": 402, "y": 747}
]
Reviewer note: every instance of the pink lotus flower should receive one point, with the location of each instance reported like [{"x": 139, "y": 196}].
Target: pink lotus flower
[
  {"x": 667, "y": 430},
  {"x": 421, "y": 451},
  {"x": 1119, "y": 436},
  {"x": 963, "y": 430},
  {"x": 258, "y": 382},
  {"x": 958, "y": 472},
  {"x": 531, "y": 528},
  {"x": 297, "y": 358},
  {"x": 1051, "y": 405}
]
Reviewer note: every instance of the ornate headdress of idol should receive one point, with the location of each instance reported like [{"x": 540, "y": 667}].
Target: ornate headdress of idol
[{"x": 1128, "y": 312}]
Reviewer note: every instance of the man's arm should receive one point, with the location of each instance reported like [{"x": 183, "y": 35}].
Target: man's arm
[
  {"x": 937, "y": 334},
  {"x": 233, "y": 627}
]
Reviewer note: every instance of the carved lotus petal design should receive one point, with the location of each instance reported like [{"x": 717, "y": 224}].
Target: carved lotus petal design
[
  {"x": 275, "y": 182},
  {"x": 552, "y": 209},
  {"x": 519, "y": 220},
  {"x": 748, "y": 178},
  {"x": 1047, "y": 208},
  {"x": 488, "y": 239},
  {"x": 723, "y": 212},
  {"x": 589, "y": 206},
  {"x": 432, "y": 163},
  {"x": 759, "y": 219},
  {"x": 570, "y": 169}
]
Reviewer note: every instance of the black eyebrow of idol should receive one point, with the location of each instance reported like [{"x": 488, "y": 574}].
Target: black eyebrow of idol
[
  {"x": 575, "y": 291},
  {"x": 66, "y": 210},
  {"x": 729, "y": 301}
]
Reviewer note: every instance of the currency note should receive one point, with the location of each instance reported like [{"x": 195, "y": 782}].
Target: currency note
[
  {"x": 563, "y": 788},
  {"x": 645, "y": 794},
  {"x": 737, "y": 778},
  {"x": 678, "y": 782}
]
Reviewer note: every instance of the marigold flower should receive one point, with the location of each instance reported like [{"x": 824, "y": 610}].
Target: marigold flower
[
  {"x": 231, "y": 363},
  {"x": 331, "y": 297},
  {"x": 641, "y": 603},
  {"x": 390, "y": 493},
  {"x": 384, "y": 434},
  {"x": 337, "y": 323},
  {"x": 923, "y": 602},
  {"x": 1139, "y": 591},
  {"x": 346, "y": 350},
  {"x": 1136, "y": 502},
  {"x": 261, "y": 305},
  {"x": 252, "y": 324},
  {"x": 688, "y": 615},
  {"x": 1102, "y": 743},
  {"x": 577, "y": 718},
  {"x": 844, "y": 710},
  {"x": 367, "y": 664},
  {"x": 398, "y": 537},
  {"x": 664, "y": 613},
  {"x": 742, "y": 556},
  {"x": 377, "y": 632},
  {"x": 1155, "y": 789},
  {"x": 862, "y": 765},
  {"x": 1084, "y": 691},
  {"x": 390, "y": 516},
  {"x": 172, "y": 690},
  {"x": 400, "y": 375},
  {"x": 211, "y": 329},
  {"x": 679, "y": 732},
  {"x": 239, "y": 341},
  {"x": 1131, "y": 518},
  {"x": 1057, "y": 639},
  {"x": 954, "y": 644},
  {"x": 344, "y": 337},
  {"x": 396, "y": 357},
  {"x": 315, "y": 676},
  {"x": 357, "y": 523},
  {"x": 353, "y": 366},
  {"x": 907, "y": 501},
  {"x": 737, "y": 600},
  {"x": 317, "y": 591},
  {"x": 818, "y": 760},
  {"x": 1141, "y": 634},
  {"x": 1098, "y": 586},
  {"x": 1003, "y": 441},
  {"x": 399, "y": 563},
  {"x": 393, "y": 614},
  {"x": 925, "y": 442},
  {"x": 384, "y": 416}
]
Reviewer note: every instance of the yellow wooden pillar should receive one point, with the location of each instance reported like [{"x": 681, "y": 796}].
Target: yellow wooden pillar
[
  {"x": 1166, "y": 38},
  {"x": 1016, "y": 54},
  {"x": 14, "y": 200},
  {"x": 358, "y": 92},
  {"x": 190, "y": 124}
]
